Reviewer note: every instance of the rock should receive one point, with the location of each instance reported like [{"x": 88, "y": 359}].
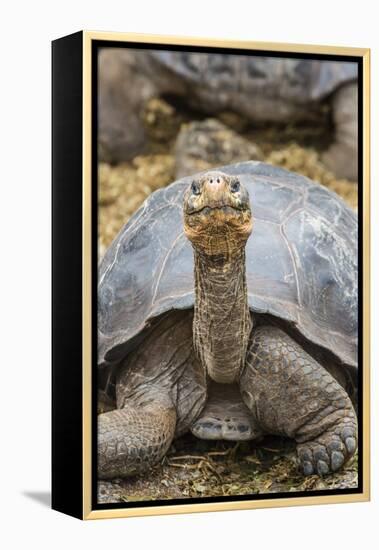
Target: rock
[{"x": 209, "y": 143}]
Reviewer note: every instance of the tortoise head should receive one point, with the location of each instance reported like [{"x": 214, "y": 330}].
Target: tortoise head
[{"x": 217, "y": 214}]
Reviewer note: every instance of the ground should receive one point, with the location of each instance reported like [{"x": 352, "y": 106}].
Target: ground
[{"x": 194, "y": 468}]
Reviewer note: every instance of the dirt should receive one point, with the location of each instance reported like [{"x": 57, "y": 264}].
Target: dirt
[{"x": 195, "y": 468}]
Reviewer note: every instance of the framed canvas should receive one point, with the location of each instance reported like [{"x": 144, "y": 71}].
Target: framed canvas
[{"x": 210, "y": 275}]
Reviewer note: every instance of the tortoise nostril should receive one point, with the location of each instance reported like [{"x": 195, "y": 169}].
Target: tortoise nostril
[
  {"x": 218, "y": 180},
  {"x": 210, "y": 181}
]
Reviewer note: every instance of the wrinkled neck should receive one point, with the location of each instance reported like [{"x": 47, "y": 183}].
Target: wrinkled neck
[{"x": 222, "y": 322}]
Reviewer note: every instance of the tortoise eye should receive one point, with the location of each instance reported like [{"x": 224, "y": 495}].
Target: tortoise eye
[
  {"x": 235, "y": 186},
  {"x": 195, "y": 188}
]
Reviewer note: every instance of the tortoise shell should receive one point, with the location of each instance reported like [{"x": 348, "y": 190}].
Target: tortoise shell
[
  {"x": 298, "y": 80},
  {"x": 301, "y": 264}
]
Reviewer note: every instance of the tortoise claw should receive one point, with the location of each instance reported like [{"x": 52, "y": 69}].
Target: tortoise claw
[{"x": 330, "y": 451}]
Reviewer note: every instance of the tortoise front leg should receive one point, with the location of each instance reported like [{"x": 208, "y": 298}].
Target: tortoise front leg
[
  {"x": 291, "y": 394},
  {"x": 133, "y": 438}
]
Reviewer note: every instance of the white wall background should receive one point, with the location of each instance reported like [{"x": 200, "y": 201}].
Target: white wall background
[{"x": 27, "y": 29}]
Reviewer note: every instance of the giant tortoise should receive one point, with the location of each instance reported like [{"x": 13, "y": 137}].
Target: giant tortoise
[
  {"x": 207, "y": 329},
  {"x": 261, "y": 89}
]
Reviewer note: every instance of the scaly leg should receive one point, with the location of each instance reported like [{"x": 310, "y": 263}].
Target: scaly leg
[
  {"x": 160, "y": 391},
  {"x": 291, "y": 394},
  {"x": 133, "y": 438}
]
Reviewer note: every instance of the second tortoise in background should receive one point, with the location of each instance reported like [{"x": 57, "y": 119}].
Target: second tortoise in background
[{"x": 262, "y": 89}]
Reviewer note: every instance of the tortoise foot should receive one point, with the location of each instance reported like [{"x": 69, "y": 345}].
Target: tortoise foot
[
  {"x": 330, "y": 451},
  {"x": 293, "y": 395}
]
